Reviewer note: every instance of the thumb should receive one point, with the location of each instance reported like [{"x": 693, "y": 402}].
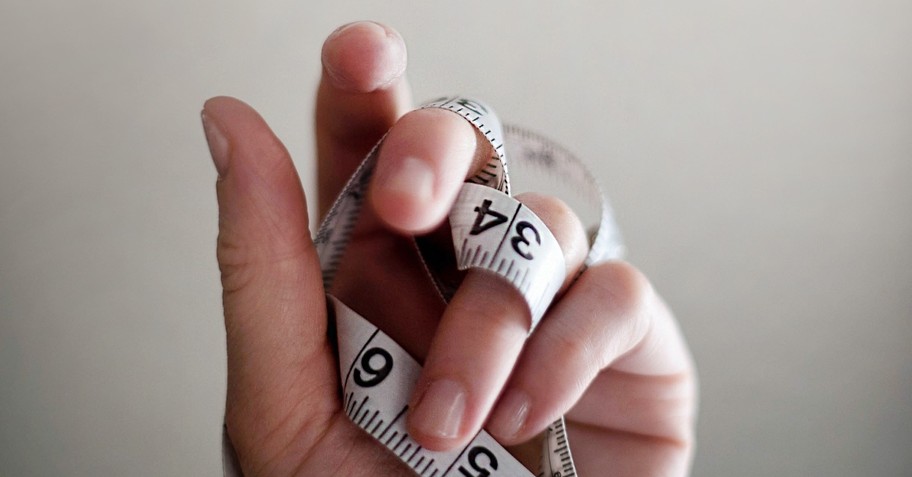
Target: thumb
[{"x": 281, "y": 370}]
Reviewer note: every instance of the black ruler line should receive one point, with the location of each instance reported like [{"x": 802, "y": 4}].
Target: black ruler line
[
  {"x": 360, "y": 407},
  {"x": 509, "y": 227},
  {"x": 463, "y": 451},
  {"x": 388, "y": 426}
]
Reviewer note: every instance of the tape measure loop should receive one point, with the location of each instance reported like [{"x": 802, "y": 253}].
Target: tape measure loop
[{"x": 495, "y": 232}]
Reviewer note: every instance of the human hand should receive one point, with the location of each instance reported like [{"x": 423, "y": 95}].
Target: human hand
[{"x": 608, "y": 354}]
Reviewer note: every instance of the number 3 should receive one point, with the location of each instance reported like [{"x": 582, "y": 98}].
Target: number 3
[{"x": 522, "y": 239}]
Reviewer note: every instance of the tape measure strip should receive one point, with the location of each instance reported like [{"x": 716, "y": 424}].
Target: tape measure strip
[
  {"x": 495, "y": 232},
  {"x": 483, "y": 456},
  {"x": 377, "y": 377},
  {"x": 532, "y": 151}
]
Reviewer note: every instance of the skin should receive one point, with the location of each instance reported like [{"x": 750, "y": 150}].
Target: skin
[{"x": 608, "y": 354}]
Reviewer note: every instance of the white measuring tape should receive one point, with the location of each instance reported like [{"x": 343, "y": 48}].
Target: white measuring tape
[{"x": 491, "y": 231}]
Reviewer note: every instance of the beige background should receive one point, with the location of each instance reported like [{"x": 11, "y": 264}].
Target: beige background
[{"x": 759, "y": 155}]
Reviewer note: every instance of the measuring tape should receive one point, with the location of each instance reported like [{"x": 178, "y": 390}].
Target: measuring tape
[{"x": 491, "y": 231}]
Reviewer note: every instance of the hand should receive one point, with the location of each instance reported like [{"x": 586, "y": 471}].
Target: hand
[{"x": 608, "y": 354}]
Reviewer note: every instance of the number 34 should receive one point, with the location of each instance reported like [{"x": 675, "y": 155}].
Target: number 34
[{"x": 524, "y": 231}]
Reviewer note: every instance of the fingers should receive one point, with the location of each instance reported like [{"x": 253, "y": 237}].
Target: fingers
[
  {"x": 362, "y": 92},
  {"x": 610, "y": 317},
  {"x": 478, "y": 341},
  {"x": 275, "y": 314},
  {"x": 422, "y": 165}
]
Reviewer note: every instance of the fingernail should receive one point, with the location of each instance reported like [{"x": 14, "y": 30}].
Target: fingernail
[
  {"x": 372, "y": 58},
  {"x": 218, "y": 144},
  {"x": 348, "y": 26},
  {"x": 511, "y": 415},
  {"x": 440, "y": 410},
  {"x": 413, "y": 178}
]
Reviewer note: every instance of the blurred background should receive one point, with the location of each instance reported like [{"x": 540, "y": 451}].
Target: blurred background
[{"x": 758, "y": 154}]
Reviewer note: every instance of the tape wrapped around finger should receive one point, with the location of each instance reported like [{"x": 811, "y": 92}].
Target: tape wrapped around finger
[{"x": 495, "y": 232}]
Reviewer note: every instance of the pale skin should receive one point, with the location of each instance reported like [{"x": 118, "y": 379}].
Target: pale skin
[{"x": 608, "y": 354}]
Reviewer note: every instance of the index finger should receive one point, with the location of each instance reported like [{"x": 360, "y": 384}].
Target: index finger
[{"x": 362, "y": 92}]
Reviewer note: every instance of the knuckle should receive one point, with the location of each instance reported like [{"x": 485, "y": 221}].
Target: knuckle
[
  {"x": 242, "y": 259},
  {"x": 625, "y": 295},
  {"x": 576, "y": 350},
  {"x": 621, "y": 287},
  {"x": 234, "y": 263}
]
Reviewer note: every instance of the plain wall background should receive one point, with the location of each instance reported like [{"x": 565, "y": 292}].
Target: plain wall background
[{"x": 758, "y": 153}]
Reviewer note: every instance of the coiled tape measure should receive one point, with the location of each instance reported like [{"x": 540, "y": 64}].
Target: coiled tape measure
[{"x": 492, "y": 231}]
